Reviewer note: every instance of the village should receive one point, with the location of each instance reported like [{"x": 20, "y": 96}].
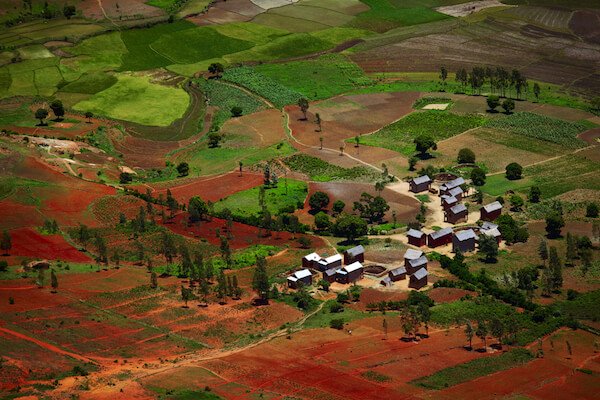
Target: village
[{"x": 460, "y": 235}]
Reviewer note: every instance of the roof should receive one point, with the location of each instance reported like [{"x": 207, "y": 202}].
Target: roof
[
  {"x": 495, "y": 206},
  {"x": 412, "y": 254},
  {"x": 455, "y": 191},
  {"x": 421, "y": 179},
  {"x": 353, "y": 267},
  {"x": 398, "y": 271},
  {"x": 459, "y": 208},
  {"x": 494, "y": 232},
  {"x": 420, "y": 274},
  {"x": 418, "y": 262},
  {"x": 330, "y": 271},
  {"x": 355, "y": 250},
  {"x": 440, "y": 233},
  {"x": 386, "y": 281},
  {"x": 449, "y": 199},
  {"x": 312, "y": 257},
  {"x": 302, "y": 273},
  {"x": 414, "y": 233},
  {"x": 292, "y": 279},
  {"x": 465, "y": 235},
  {"x": 453, "y": 183},
  {"x": 330, "y": 259},
  {"x": 488, "y": 225}
]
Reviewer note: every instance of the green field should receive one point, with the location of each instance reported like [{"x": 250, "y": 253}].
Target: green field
[
  {"x": 388, "y": 14},
  {"x": 321, "y": 171},
  {"x": 136, "y": 99},
  {"x": 245, "y": 203},
  {"x": 437, "y": 124}
]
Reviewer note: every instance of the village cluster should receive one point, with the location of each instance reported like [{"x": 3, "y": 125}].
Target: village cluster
[{"x": 349, "y": 268}]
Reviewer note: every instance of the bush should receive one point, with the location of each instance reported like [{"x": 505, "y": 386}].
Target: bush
[
  {"x": 466, "y": 156},
  {"x": 337, "y": 323},
  {"x": 322, "y": 221},
  {"x": 478, "y": 177},
  {"x": 591, "y": 211},
  {"x": 493, "y": 102},
  {"x": 338, "y": 206},
  {"x": 514, "y": 171},
  {"x": 508, "y": 105},
  {"x": 236, "y": 111},
  {"x": 125, "y": 178},
  {"x": 336, "y": 307},
  {"x": 318, "y": 200},
  {"x": 3, "y": 265}
]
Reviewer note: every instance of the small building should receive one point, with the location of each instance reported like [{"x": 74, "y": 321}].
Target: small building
[
  {"x": 415, "y": 265},
  {"x": 303, "y": 277},
  {"x": 457, "y": 213},
  {"x": 310, "y": 260},
  {"x": 456, "y": 192},
  {"x": 418, "y": 279},
  {"x": 416, "y": 238},
  {"x": 439, "y": 238},
  {"x": 330, "y": 275},
  {"x": 387, "y": 282},
  {"x": 464, "y": 241},
  {"x": 334, "y": 261},
  {"x": 397, "y": 274},
  {"x": 350, "y": 273},
  {"x": 420, "y": 184},
  {"x": 448, "y": 202},
  {"x": 491, "y": 229},
  {"x": 491, "y": 211},
  {"x": 411, "y": 254},
  {"x": 446, "y": 187},
  {"x": 354, "y": 254}
]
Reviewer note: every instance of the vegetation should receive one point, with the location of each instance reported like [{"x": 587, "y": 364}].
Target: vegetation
[{"x": 322, "y": 171}]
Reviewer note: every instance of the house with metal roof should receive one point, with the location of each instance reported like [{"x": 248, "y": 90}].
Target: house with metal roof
[
  {"x": 310, "y": 260},
  {"x": 397, "y": 274},
  {"x": 387, "y": 282},
  {"x": 411, "y": 254},
  {"x": 448, "y": 202},
  {"x": 330, "y": 274},
  {"x": 354, "y": 254},
  {"x": 446, "y": 187},
  {"x": 416, "y": 238},
  {"x": 416, "y": 264},
  {"x": 457, "y": 214},
  {"x": 491, "y": 211},
  {"x": 456, "y": 192},
  {"x": 464, "y": 241},
  {"x": 333, "y": 261},
  {"x": 420, "y": 184},
  {"x": 350, "y": 273},
  {"x": 439, "y": 238},
  {"x": 418, "y": 279},
  {"x": 302, "y": 277}
]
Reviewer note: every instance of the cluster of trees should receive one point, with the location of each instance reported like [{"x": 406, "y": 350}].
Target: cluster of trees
[
  {"x": 169, "y": 201},
  {"x": 498, "y": 328},
  {"x": 57, "y": 109},
  {"x": 500, "y": 81},
  {"x": 512, "y": 231},
  {"x": 48, "y": 11},
  {"x": 552, "y": 277}
]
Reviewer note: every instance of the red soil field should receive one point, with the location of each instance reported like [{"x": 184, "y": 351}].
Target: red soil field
[
  {"x": 14, "y": 215},
  {"x": 591, "y": 136},
  {"x": 448, "y": 295},
  {"x": 67, "y": 130},
  {"x": 30, "y": 243},
  {"x": 100, "y": 9}
]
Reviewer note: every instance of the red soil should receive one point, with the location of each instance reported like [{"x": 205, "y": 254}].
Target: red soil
[
  {"x": 448, "y": 295},
  {"x": 67, "y": 130},
  {"x": 590, "y": 136},
  {"x": 30, "y": 243},
  {"x": 99, "y": 9}
]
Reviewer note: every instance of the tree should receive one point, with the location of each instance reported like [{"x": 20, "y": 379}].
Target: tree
[
  {"x": 514, "y": 171},
  {"x": 337, "y": 323},
  {"x": 462, "y": 78},
  {"x": 58, "y": 109},
  {"x": 318, "y": 201},
  {"x": 125, "y": 178},
  {"x": 303, "y": 104},
  {"x": 168, "y": 247},
  {"x": 226, "y": 251},
  {"x": 214, "y": 139},
  {"x": 53, "y": 281},
  {"x": 469, "y": 332},
  {"x": 443, "y": 76},
  {"x": 183, "y": 169},
  {"x": 535, "y": 193},
  {"x": 423, "y": 143},
  {"x": 304, "y": 242},
  {"x": 41, "y": 114},
  {"x": 591, "y": 210},
  {"x": 488, "y": 246},
  {"x": 338, "y": 206},
  {"x": 424, "y": 315},
  {"x": 321, "y": 141},
  {"x": 412, "y": 163},
  {"x": 493, "y": 102},
  {"x": 221, "y": 288},
  {"x": 478, "y": 176},
  {"x": 236, "y": 111},
  {"x": 497, "y": 329},
  {"x": 197, "y": 208},
  {"x": 508, "y": 105},
  {"x": 324, "y": 285},
  {"x": 318, "y": 122},
  {"x": 371, "y": 208},
  {"x": 216, "y": 69},
  {"x": 595, "y": 104},
  {"x": 350, "y": 226},
  {"x": 153, "y": 280},
  {"x": 516, "y": 202},
  {"x": 237, "y": 291},
  {"x": 5, "y": 243},
  {"x": 69, "y": 11},
  {"x": 482, "y": 332},
  {"x": 466, "y": 156},
  {"x": 101, "y": 249},
  {"x": 186, "y": 295},
  {"x": 260, "y": 280},
  {"x": 586, "y": 260},
  {"x": 89, "y": 115},
  {"x": 571, "y": 251},
  {"x": 554, "y": 225},
  {"x": 555, "y": 267},
  {"x": 41, "y": 278},
  {"x": 322, "y": 221},
  {"x": 543, "y": 251},
  {"x": 536, "y": 91}
]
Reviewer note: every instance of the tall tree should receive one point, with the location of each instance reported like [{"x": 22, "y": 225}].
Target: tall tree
[
  {"x": 482, "y": 332},
  {"x": 443, "y": 76},
  {"x": 226, "y": 252},
  {"x": 571, "y": 251},
  {"x": 153, "y": 280},
  {"x": 555, "y": 266},
  {"x": 53, "y": 281},
  {"x": 221, "y": 289},
  {"x": 318, "y": 122},
  {"x": 543, "y": 251},
  {"x": 41, "y": 278},
  {"x": 58, "y": 109},
  {"x": 488, "y": 246},
  {"x": 41, "y": 114},
  {"x": 168, "y": 247},
  {"x": 260, "y": 280},
  {"x": 303, "y": 104},
  {"x": 536, "y": 91},
  {"x": 469, "y": 332},
  {"x": 385, "y": 327},
  {"x": 5, "y": 242}
]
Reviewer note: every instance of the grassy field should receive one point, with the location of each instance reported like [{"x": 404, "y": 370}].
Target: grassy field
[
  {"x": 289, "y": 193},
  {"x": 316, "y": 79},
  {"x": 437, "y": 124},
  {"x": 474, "y": 369},
  {"x": 136, "y": 99},
  {"x": 321, "y": 171},
  {"x": 388, "y": 14}
]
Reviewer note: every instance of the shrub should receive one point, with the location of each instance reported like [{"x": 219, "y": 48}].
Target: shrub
[
  {"x": 591, "y": 210},
  {"x": 322, "y": 221},
  {"x": 3, "y": 265},
  {"x": 478, "y": 177},
  {"x": 338, "y": 206},
  {"x": 236, "y": 111},
  {"x": 508, "y": 105},
  {"x": 336, "y": 307},
  {"x": 337, "y": 323},
  {"x": 318, "y": 200},
  {"x": 514, "y": 171},
  {"x": 493, "y": 102},
  {"x": 466, "y": 156}
]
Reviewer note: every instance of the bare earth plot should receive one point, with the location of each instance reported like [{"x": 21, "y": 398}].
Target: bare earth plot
[{"x": 462, "y": 10}]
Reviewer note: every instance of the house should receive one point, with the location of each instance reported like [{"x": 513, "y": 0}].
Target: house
[
  {"x": 330, "y": 274},
  {"x": 448, "y": 202},
  {"x": 439, "y": 238},
  {"x": 491, "y": 229},
  {"x": 354, "y": 254},
  {"x": 350, "y": 273},
  {"x": 457, "y": 213},
  {"x": 310, "y": 260},
  {"x": 387, "y": 282},
  {"x": 416, "y": 238},
  {"x": 420, "y": 184},
  {"x": 302, "y": 277},
  {"x": 464, "y": 241},
  {"x": 411, "y": 254},
  {"x": 333, "y": 261},
  {"x": 491, "y": 211},
  {"x": 456, "y": 192},
  {"x": 415, "y": 265},
  {"x": 446, "y": 187},
  {"x": 418, "y": 279},
  {"x": 397, "y": 274}
]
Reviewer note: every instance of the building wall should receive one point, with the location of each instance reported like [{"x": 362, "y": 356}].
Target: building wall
[
  {"x": 417, "y": 242},
  {"x": 348, "y": 259},
  {"x": 417, "y": 284}
]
